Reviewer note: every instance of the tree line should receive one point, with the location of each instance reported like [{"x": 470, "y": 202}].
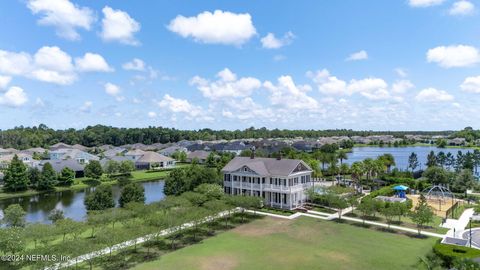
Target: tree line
[{"x": 43, "y": 136}]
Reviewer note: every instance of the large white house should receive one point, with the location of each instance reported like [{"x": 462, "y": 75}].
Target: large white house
[{"x": 280, "y": 182}]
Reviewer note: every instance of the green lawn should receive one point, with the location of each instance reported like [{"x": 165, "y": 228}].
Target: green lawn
[{"x": 303, "y": 243}]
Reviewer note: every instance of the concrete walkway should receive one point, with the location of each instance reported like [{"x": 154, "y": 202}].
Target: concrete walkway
[
  {"x": 456, "y": 226},
  {"x": 326, "y": 216},
  {"x": 133, "y": 242}
]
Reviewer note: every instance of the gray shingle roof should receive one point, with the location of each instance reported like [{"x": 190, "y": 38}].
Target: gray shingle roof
[
  {"x": 153, "y": 157},
  {"x": 265, "y": 166}
]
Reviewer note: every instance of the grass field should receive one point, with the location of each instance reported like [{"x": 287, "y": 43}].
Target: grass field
[{"x": 302, "y": 243}]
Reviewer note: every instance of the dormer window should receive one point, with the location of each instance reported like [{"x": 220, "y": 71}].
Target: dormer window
[{"x": 245, "y": 169}]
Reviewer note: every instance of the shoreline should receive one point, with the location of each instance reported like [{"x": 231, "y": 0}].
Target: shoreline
[{"x": 159, "y": 176}]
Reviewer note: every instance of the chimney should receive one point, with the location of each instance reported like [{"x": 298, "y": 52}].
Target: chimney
[{"x": 252, "y": 155}]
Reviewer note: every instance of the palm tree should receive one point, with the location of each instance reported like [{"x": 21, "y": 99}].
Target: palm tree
[
  {"x": 368, "y": 165},
  {"x": 388, "y": 161},
  {"x": 342, "y": 155},
  {"x": 357, "y": 170},
  {"x": 344, "y": 168}
]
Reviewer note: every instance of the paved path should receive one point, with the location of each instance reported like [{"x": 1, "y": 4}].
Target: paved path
[
  {"x": 326, "y": 216},
  {"x": 458, "y": 225},
  {"x": 133, "y": 242}
]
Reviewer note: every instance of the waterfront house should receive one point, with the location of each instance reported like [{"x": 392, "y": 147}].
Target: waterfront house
[
  {"x": 153, "y": 160},
  {"x": 59, "y": 165},
  {"x": 279, "y": 182}
]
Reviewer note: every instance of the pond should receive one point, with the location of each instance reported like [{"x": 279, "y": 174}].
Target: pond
[
  {"x": 38, "y": 207},
  {"x": 400, "y": 154}
]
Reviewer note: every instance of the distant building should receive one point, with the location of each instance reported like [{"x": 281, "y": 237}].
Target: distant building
[
  {"x": 70, "y": 153},
  {"x": 153, "y": 160},
  {"x": 172, "y": 149},
  {"x": 279, "y": 182},
  {"x": 199, "y": 155}
]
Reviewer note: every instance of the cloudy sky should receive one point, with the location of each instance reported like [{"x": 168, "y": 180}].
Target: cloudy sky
[{"x": 380, "y": 65}]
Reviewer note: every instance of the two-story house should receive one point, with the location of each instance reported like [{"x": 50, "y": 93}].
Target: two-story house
[
  {"x": 280, "y": 182},
  {"x": 75, "y": 154}
]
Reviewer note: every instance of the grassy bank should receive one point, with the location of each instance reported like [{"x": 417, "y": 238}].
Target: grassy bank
[{"x": 137, "y": 176}]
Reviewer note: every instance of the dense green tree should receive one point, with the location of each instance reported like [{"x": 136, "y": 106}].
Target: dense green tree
[
  {"x": 413, "y": 163},
  {"x": 66, "y": 177},
  {"x": 111, "y": 167},
  {"x": 12, "y": 240},
  {"x": 15, "y": 178},
  {"x": 133, "y": 192},
  {"x": 48, "y": 179},
  {"x": 56, "y": 215},
  {"x": 93, "y": 169},
  {"x": 388, "y": 161},
  {"x": 464, "y": 180},
  {"x": 14, "y": 216},
  {"x": 100, "y": 199},
  {"x": 34, "y": 177},
  {"x": 211, "y": 191},
  {"x": 431, "y": 159},
  {"x": 422, "y": 213},
  {"x": 436, "y": 175},
  {"x": 126, "y": 166},
  {"x": 181, "y": 180}
]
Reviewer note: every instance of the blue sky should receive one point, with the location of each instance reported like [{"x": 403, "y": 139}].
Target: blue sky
[{"x": 379, "y": 65}]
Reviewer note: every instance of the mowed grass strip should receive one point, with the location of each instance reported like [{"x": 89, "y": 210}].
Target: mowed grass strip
[{"x": 303, "y": 243}]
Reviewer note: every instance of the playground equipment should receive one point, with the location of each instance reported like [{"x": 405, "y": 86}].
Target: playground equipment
[{"x": 441, "y": 199}]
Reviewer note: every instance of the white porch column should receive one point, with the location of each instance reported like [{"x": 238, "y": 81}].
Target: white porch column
[
  {"x": 241, "y": 185},
  {"x": 271, "y": 203},
  {"x": 290, "y": 198},
  {"x": 232, "y": 184},
  {"x": 281, "y": 200}
]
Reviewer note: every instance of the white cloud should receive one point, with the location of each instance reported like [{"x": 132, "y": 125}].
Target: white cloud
[
  {"x": 356, "y": 56},
  {"x": 401, "y": 86},
  {"x": 227, "y": 85},
  {"x": 328, "y": 84},
  {"x": 433, "y": 95},
  {"x": 462, "y": 8},
  {"x": 271, "y": 42},
  {"x": 118, "y": 26},
  {"x": 219, "y": 27},
  {"x": 14, "y": 97},
  {"x": 50, "y": 64},
  {"x": 371, "y": 88},
  {"x": 92, "y": 62},
  {"x": 65, "y": 16},
  {"x": 286, "y": 94},
  {"x": 471, "y": 84},
  {"x": 86, "y": 107},
  {"x": 112, "y": 89},
  {"x": 54, "y": 66},
  {"x": 424, "y": 3},
  {"x": 135, "y": 64},
  {"x": 152, "y": 114},
  {"x": 4, "y": 81},
  {"x": 454, "y": 56},
  {"x": 177, "y": 105}
]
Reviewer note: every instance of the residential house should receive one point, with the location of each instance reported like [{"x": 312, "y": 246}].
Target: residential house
[
  {"x": 80, "y": 147},
  {"x": 153, "y": 160},
  {"x": 235, "y": 147},
  {"x": 172, "y": 149},
  {"x": 58, "y": 146},
  {"x": 199, "y": 155},
  {"x": 457, "y": 141},
  {"x": 36, "y": 150},
  {"x": 70, "y": 153},
  {"x": 117, "y": 151},
  {"x": 134, "y": 155},
  {"x": 59, "y": 165},
  {"x": 281, "y": 183},
  {"x": 27, "y": 159},
  {"x": 8, "y": 151}
]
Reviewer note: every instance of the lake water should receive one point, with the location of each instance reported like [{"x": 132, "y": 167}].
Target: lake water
[
  {"x": 38, "y": 207},
  {"x": 400, "y": 154}
]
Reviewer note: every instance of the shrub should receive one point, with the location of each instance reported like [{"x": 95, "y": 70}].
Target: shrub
[{"x": 450, "y": 253}]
